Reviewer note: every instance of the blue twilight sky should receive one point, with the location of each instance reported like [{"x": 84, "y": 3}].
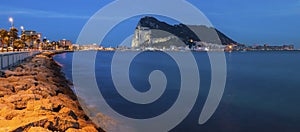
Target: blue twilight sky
[{"x": 275, "y": 22}]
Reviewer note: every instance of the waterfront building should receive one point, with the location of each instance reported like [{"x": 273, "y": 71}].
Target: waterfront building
[{"x": 65, "y": 44}]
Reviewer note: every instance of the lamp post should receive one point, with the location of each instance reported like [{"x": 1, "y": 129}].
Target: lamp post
[
  {"x": 22, "y": 29},
  {"x": 31, "y": 37},
  {"x": 23, "y": 35},
  {"x": 39, "y": 46},
  {"x": 11, "y": 20}
]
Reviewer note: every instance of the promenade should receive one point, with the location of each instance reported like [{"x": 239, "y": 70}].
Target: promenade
[{"x": 8, "y": 59}]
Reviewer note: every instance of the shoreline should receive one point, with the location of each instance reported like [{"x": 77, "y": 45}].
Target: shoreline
[
  {"x": 36, "y": 96},
  {"x": 296, "y": 50}
]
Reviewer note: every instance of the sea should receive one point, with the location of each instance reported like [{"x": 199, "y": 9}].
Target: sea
[{"x": 261, "y": 94}]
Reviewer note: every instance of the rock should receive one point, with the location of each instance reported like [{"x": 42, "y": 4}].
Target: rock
[
  {"x": 43, "y": 104},
  {"x": 89, "y": 129},
  {"x": 6, "y": 106},
  {"x": 19, "y": 69},
  {"x": 2, "y": 74},
  {"x": 74, "y": 130},
  {"x": 20, "y": 100},
  {"x": 21, "y": 124},
  {"x": 23, "y": 84},
  {"x": 68, "y": 112},
  {"x": 41, "y": 90},
  {"x": 5, "y": 90},
  {"x": 13, "y": 79},
  {"x": 36, "y": 97},
  {"x": 85, "y": 129},
  {"x": 41, "y": 77},
  {"x": 59, "y": 124},
  {"x": 105, "y": 122},
  {"x": 38, "y": 129}
]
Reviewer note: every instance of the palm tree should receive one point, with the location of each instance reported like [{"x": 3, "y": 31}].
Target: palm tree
[
  {"x": 45, "y": 43},
  {"x": 18, "y": 44},
  {"x": 23, "y": 38},
  {"x": 4, "y": 36},
  {"x": 31, "y": 39},
  {"x": 36, "y": 41},
  {"x": 49, "y": 46},
  {"x": 28, "y": 40},
  {"x": 13, "y": 34},
  {"x": 54, "y": 45}
]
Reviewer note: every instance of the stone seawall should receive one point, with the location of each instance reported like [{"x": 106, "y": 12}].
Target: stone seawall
[{"x": 36, "y": 97}]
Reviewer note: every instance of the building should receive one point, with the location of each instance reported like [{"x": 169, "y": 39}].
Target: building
[
  {"x": 34, "y": 43},
  {"x": 272, "y": 48},
  {"x": 30, "y": 32},
  {"x": 39, "y": 35},
  {"x": 90, "y": 47},
  {"x": 75, "y": 47},
  {"x": 65, "y": 43}
]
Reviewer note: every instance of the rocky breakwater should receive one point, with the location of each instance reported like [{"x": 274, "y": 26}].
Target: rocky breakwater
[{"x": 35, "y": 96}]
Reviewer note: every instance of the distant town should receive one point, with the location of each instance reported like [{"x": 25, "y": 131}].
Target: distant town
[
  {"x": 21, "y": 39},
  {"x": 28, "y": 40},
  {"x": 199, "y": 46}
]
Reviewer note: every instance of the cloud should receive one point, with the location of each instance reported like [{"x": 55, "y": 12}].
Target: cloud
[{"x": 11, "y": 11}]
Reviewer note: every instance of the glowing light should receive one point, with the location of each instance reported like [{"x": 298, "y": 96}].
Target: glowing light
[{"x": 11, "y": 19}]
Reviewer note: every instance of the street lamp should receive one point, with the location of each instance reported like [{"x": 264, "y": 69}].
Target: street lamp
[
  {"x": 11, "y": 20},
  {"x": 22, "y": 28},
  {"x": 31, "y": 36}
]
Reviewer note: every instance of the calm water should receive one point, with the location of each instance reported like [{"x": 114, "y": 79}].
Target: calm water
[{"x": 262, "y": 91}]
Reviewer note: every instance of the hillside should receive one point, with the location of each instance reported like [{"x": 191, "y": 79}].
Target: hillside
[{"x": 151, "y": 31}]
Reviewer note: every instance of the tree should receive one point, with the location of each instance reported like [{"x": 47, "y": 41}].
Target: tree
[
  {"x": 28, "y": 40},
  {"x": 18, "y": 44},
  {"x": 45, "y": 46},
  {"x": 23, "y": 38},
  {"x": 32, "y": 40},
  {"x": 13, "y": 35},
  {"x": 4, "y": 36},
  {"x": 55, "y": 45},
  {"x": 35, "y": 41}
]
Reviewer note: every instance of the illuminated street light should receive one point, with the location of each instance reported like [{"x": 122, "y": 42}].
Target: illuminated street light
[{"x": 11, "y": 20}]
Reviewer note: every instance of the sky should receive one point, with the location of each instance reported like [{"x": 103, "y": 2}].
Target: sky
[{"x": 274, "y": 22}]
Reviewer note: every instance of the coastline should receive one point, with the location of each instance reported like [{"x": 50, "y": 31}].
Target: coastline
[{"x": 36, "y": 96}]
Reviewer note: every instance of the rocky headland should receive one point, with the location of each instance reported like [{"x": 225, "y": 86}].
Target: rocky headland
[
  {"x": 150, "y": 32},
  {"x": 36, "y": 97}
]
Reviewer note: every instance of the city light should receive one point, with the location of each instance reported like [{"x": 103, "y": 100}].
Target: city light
[{"x": 11, "y": 20}]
